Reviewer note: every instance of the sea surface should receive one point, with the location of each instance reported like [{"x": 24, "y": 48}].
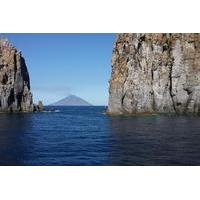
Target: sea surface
[{"x": 86, "y": 136}]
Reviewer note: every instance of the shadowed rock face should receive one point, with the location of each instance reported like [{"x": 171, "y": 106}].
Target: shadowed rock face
[
  {"x": 15, "y": 92},
  {"x": 155, "y": 73}
]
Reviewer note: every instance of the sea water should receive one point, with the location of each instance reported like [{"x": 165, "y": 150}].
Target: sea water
[{"x": 86, "y": 136}]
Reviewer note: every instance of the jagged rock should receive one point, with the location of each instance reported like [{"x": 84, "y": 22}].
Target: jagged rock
[
  {"x": 15, "y": 92},
  {"x": 155, "y": 73},
  {"x": 38, "y": 107}
]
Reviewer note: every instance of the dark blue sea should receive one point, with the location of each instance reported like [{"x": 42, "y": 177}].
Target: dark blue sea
[{"x": 86, "y": 136}]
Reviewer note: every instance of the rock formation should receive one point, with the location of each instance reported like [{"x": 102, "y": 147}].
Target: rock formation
[
  {"x": 38, "y": 107},
  {"x": 15, "y": 92},
  {"x": 155, "y": 73}
]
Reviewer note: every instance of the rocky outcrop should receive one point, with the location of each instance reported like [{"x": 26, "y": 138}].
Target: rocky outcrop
[
  {"x": 155, "y": 73},
  {"x": 15, "y": 92},
  {"x": 38, "y": 107}
]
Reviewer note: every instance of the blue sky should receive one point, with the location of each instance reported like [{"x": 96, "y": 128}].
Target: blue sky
[{"x": 62, "y": 64}]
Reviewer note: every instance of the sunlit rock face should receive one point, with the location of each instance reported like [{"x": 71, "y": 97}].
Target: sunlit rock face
[
  {"x": 155, "y": 73},
  {"x": 15, "y": 95}
]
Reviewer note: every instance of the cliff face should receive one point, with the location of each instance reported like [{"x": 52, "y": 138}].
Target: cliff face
[
  {"x": 155, "y": 73},
  {"x": 15, "y": 92}
]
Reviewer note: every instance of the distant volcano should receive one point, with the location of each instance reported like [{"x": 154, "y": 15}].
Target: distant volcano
[{"x": 71, "y": 100}]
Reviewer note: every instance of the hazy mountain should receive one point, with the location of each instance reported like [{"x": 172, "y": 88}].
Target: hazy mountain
[{"x": 71, "y": 100}]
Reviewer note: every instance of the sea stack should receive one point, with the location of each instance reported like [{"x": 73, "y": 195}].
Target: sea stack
[
  {"x": 155, "y": 73},
  {"x": 15, "y": 95}
]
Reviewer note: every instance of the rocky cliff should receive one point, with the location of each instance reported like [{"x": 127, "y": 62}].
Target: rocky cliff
[
  {"x": 155, "y": 73},
  {"x": 15, "y": 92}
]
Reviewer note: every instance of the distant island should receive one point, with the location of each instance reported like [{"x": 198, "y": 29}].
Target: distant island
[{"x": 71, "y": 100}]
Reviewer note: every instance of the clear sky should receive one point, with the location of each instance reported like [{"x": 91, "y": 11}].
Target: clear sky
[{"x": 63, "y": 64}]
